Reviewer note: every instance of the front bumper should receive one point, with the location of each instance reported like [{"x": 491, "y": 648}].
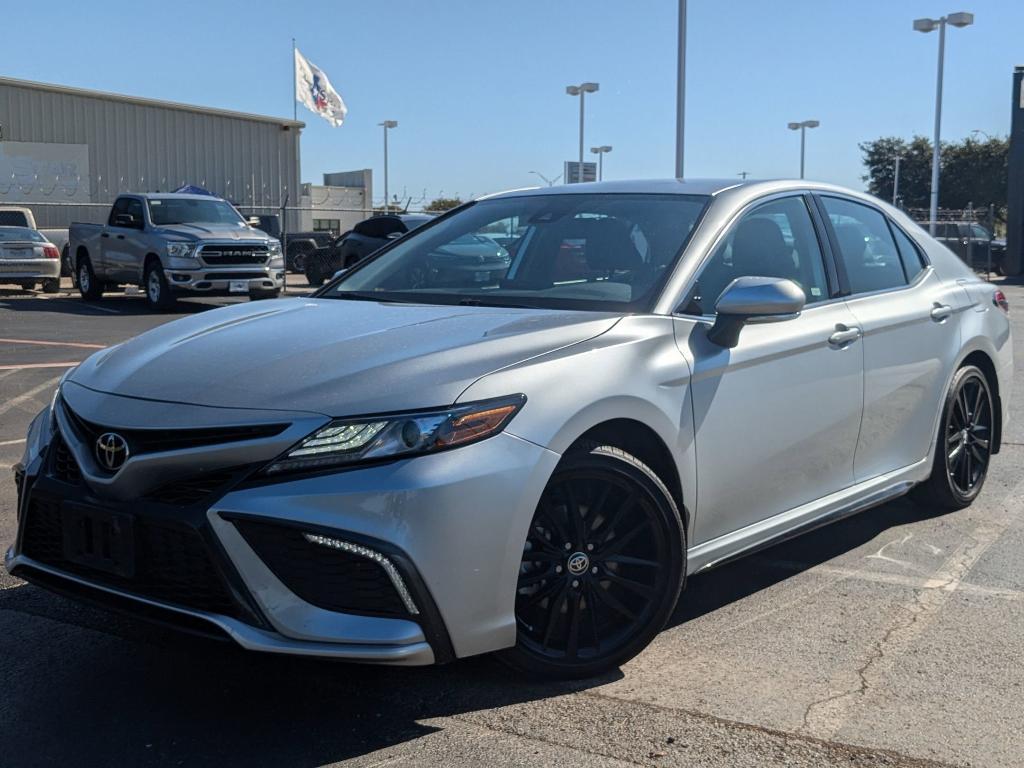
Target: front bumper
[
  {"x": 452, "y": 523},
  {"x": 219, "y": 280},
  {"x": 15, "y": 270}
]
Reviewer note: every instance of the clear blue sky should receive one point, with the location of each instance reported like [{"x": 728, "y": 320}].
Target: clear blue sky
[{"x": 478, "y": 87}]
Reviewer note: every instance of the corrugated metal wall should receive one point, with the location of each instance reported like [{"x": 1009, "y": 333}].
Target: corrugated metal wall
[{"x": 136, "y": 147}]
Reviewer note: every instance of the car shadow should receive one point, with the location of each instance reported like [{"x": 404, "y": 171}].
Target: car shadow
[
  {"x": 84, "y": 696},
  {"x": 113, "y": 305}
]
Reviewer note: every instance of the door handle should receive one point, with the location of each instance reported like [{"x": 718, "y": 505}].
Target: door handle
[
  {"x": 120, "y": 237},
  {"x": 940, "y": 312},
  {"x": 844, "y": 336},
  {"x": 104, "y": 235}
]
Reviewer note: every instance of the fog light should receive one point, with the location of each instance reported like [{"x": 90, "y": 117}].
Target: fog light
[{"x": 370, "y": 554}]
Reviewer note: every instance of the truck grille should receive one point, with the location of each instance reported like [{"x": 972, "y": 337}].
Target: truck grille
[{"x": 227, "y": 255}]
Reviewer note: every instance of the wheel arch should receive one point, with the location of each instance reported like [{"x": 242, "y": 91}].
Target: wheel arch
[
  {"x": 149, "y": 258},
  {"x": 80, "y": 253}
]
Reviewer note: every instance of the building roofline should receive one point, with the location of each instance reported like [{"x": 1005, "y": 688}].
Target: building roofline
[{"x": 87, "y": 93}]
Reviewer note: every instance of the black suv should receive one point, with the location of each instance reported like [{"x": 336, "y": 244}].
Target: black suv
[
  {"x": 359, "y": 242},
  {"x": 969, "y": 240}
]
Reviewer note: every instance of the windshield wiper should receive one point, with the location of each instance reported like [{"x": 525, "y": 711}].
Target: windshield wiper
[
  {"x": 479, "y": 303},
  {"x": 360, "y": 296}
]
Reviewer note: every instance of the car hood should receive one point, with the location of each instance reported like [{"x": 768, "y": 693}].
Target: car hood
[
  {"x": 335, "y": 357},
  {"x": 196, "y": 232}
]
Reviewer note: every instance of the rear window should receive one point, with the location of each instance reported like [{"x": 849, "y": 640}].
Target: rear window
[
  {"x": 13, "y": 219},
  {"x": 20, "y": 234}
]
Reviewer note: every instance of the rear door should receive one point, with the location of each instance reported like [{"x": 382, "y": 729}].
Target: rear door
[{"x": 909, "y": 321}]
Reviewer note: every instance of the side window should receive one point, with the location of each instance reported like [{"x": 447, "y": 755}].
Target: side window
[
  {"x": 134, "y": 207},
  {"x": 910, "y": 254},
  {"x": 120, "y": 206},
  {"x": 978, "y": 232},
  {"x": 776, "y": 239},
  {"x": 865, "y": 246}
]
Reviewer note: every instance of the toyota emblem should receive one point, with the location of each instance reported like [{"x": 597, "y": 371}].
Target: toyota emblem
[
  {"x": 578, "y": 563},
  {"x": 111, "y": 451}
]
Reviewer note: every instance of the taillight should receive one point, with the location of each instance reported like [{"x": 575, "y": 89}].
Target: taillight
[
  {"x": 51, "y": 252},
  {"x": 999, "y": 299}
]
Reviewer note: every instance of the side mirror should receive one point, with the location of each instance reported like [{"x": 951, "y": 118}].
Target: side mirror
[
  {"x": 339, "y": 273},
  {"x": 254, "y": 221},
  {"x": 394, "y": 235},
  {"x": 125, "y": 220},
  {"x": 754, "y": 300}
]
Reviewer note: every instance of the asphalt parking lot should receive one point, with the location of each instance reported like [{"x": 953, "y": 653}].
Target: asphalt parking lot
[{"x": 892, "y": 638}]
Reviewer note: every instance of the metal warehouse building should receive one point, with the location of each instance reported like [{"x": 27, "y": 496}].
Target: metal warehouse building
[{"x": 67, "y": 152}]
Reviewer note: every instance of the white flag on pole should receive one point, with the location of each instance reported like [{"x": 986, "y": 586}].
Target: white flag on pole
[{"x": 314, "y": 91}]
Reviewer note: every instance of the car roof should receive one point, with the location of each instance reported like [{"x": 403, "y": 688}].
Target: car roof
[
  {"x": 712, "y": 187},
  {"x": 170, "y": 196}
]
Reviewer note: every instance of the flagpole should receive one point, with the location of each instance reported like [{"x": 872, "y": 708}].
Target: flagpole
[{"x": 295, "y": 85}]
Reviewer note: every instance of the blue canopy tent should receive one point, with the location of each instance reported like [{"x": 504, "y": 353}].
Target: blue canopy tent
[{"x": 192, "y": 189}]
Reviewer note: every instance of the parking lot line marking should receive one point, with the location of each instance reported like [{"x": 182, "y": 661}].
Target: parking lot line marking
[
  {"x": 26, "y": 366},
  {"x": 16, "y": 401},
  {"x": 104, "y": 309},
  {"x": 12, "y": 442},
  {"x": 80, "y": 344}
]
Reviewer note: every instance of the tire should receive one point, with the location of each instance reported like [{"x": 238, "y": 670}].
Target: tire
[
  {"x": 158, "y": 293},
  {"x": 65, "y": 262},
  {"x": 260, "y": 295},
  {"x": 90, "y": 288},
  {"x": 52, "y": 285},
  {"x": 314, "y": 273},
  {"x": 963, "y": 446},
  {"x": 603, "y": 566}
]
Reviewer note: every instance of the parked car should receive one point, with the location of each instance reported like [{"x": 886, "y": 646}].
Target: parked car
[
  {"x": 513, "y": 464},
  {"x": 21, "y": 216},
  {"x": 28, "y": 258},
  {"x": 359, "y": 242},
  {"x": 300, "y": 244},
  {"x": 175, "y": 244},
  {"x": 970, "y": 241}
]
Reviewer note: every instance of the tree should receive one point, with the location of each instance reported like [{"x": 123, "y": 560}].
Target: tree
[
  {"x": 443, "y": 204},
  {"x": 970, "y": 172}
]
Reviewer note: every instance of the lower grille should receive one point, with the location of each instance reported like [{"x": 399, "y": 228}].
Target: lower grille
[
  {"x": 235, "y": 275},
  {"x": 327, "y": 578},
  {"x": 172, "y": 562},
  {"x": 65, "y": 468}
]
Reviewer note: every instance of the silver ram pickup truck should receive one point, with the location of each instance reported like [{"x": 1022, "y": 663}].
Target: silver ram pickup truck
[{"x": 173, "y": 244}]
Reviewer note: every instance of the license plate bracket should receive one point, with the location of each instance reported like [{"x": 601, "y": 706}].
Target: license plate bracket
[
  {"x": 99, "y": 539},
  {"x": 238, "y": 286}
]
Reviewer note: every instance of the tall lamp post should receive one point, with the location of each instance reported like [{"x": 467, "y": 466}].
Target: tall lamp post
[
  {"x": 600, "y": 152},
  {"x": 549, "y": 182},
  {"x": 386, "y": 125},
  {"x": 581, "y": 90},
  {"x": 961, "y": 19},
  {"x": 896, "y": 179},
  {"x": 681, "y": 89},
  {"x": 802, "y": 127}
]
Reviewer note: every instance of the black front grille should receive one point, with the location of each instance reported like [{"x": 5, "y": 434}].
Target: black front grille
[
  {"x": 172, "y": 562},
  {"x": 328, "y": 578},
  {"x": 235, "y": 275},
  {"x": 194, "y": 489},
  {"x": 155, "y": 440},
  {"x": 218, "y": 255},
  {"x": 65, "y": 468}
]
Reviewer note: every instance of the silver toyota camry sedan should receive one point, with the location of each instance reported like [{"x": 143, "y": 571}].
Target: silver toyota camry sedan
[{"x": 662, "y": 376}]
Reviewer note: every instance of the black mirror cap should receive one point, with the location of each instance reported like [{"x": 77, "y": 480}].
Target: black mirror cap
[{"x": 754, "y": 299}]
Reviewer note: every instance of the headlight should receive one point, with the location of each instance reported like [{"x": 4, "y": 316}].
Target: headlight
[
  {"x": 350, "y": 441},
  {"x": 274, "y": 248},
  {"x": 181, "y": 250}
]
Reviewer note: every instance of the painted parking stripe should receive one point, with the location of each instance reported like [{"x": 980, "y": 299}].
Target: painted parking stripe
[
  {"x": 27, "y": 366},
  {"x": 79, "y": 344},
  {"x": 14, "y": 402},
  {"x": 12, "y": 442}
]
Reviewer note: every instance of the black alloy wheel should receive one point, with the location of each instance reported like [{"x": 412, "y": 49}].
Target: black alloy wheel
[
  {"x": 964, "y": 444},
  {"x": 602, "y": 567}
]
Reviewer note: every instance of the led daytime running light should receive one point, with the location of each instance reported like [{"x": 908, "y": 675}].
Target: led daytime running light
[{"x": 370, "y": 554}]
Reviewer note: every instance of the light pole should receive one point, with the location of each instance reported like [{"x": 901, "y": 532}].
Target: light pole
[
  {"x": 977, "y": 131},
  {"x": 961, "y": 19},
  {"x": 802, "y": 127},
  {"x": 896, "y": 179},
  {"x": 387, "y": 124},
  {"x": 600, "y": 152},
  {"x": 581, "y": 90},
  {"x": 680, "y": 88},
  {"x": 549, "y": 182},
  {"x": 743, "y": 174}
]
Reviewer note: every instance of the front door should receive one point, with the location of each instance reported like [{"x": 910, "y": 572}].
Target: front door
[{"x": 776, "y": 417}]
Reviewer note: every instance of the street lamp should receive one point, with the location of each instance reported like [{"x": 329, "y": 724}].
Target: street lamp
[
  {"x": 600, "y": 152},
  {"x": 896, "y": 179},
  {"x": 549, "y": 182},
  {"x": 802, "y": 127},
  {"x": 387, "y": 124},
  {"x": 977, "y": 131},
  {"x": 961, "y": 19},
  {"x": 581, "y": 90},
  {"x": 680, "y": 89}
]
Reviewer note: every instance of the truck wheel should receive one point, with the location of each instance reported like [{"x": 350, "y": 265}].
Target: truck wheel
[
  {"x": 65, "y": 263},
  {"x": 89, "y": 286},
  {"x": 52, "y": 285},
  {"x": 158, "y": 293},
  {"x": 314, "y": 272}
]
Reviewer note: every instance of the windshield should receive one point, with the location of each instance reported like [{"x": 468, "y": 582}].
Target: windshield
[
  {"x": 608, "y": 252},
  {"x": 21, "y": 234},
  {"x": 163, "y": 211}
]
